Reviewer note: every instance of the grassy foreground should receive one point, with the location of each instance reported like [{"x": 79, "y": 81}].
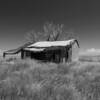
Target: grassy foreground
[{"x": 31, "y": 80}]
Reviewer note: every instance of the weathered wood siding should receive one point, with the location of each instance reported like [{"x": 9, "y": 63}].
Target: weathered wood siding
[{"x": 59, "y": 55}]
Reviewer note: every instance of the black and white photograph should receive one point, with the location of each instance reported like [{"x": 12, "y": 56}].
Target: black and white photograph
[{"x": 49, "y": 50}]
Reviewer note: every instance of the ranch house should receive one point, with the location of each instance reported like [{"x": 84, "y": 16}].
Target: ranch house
[{"x": 46, "y": 51}]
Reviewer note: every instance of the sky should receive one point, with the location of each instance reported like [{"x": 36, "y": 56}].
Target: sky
[{"x": 18, "y": 17}]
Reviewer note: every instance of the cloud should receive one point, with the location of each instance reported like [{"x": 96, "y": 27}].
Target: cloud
[{"x": 91, "y": 51}]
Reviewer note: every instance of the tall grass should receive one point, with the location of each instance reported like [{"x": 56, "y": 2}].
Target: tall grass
[{"x": 32, "y": 80}]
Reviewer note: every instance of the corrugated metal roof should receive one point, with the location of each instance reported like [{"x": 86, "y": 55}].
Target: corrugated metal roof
[
  {"x": 51, "y": 43},
  {"x": 40, "y": 46}
]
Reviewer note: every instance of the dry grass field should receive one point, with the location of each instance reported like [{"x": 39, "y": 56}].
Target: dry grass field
[{"x": 32, "y": 80}]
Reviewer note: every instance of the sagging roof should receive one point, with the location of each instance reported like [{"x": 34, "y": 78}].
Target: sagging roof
[
  {"x": 15, "y": 51},
  {"x": 40, "y": 46},
  {"x": 45, "y": 44}
]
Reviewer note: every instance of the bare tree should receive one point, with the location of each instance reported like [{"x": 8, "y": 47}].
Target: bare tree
[
  {"x": 50, "y": 32},
  {"x": 33, "y": 36},
  {"x": 53, "y": 31}
]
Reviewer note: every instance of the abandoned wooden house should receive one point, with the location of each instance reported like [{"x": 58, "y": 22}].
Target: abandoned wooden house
[{"x": 47, "y": 51}]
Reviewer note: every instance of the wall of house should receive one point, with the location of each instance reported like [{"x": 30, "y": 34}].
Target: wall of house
[
  {"x": 25, "y": 54},
  {"x": 61, "y": 54},
  {"x": 75, "y": 53}
]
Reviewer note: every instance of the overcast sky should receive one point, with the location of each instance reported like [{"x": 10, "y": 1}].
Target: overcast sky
[{"x": 18, "y": 17}]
